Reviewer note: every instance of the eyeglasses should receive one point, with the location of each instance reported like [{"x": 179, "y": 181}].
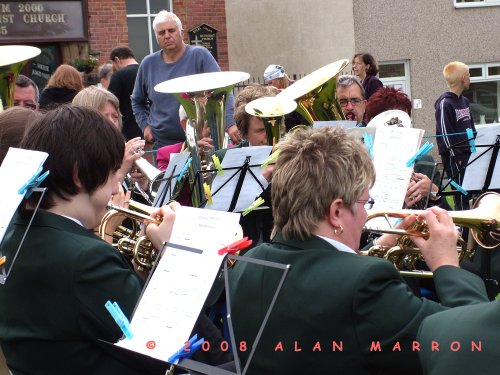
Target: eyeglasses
[
  {"x": 368, "y": 203},
  {"x": 354, "y": 102}
]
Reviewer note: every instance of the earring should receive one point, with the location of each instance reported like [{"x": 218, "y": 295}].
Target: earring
[
  {"x": 341, "y": 230},
  {"x": 335, "y": 230}
]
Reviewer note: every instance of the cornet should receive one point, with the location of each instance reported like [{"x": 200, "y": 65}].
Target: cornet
[
  {"x": 483, "y": 221},
  {"x": 128, "y": 241}
]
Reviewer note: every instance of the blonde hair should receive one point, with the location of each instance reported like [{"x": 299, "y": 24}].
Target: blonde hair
[
  {"x": 96, "y": 97},
  {"x": 66, "y": 76},
  {"x": 249, "y": 93},
  {"x": 336, "y": 164},
  {"x": 453, "y": 72}
]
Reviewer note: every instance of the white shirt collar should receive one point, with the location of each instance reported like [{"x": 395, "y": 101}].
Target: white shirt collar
[{"x": 338, "y": 245}]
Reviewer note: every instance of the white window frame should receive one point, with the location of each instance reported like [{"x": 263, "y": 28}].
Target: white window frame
[
  {"x": 149, "y": 17},
  {"x": 405, "y": 79},
  {"x": 476, "y": 4},
  {"x": 485, "y": 77}
]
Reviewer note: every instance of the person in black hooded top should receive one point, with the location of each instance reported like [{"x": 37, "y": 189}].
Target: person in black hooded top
[{"x": 62, "y": 87}]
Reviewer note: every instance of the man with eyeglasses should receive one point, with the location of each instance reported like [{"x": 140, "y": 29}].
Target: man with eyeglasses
[
  {"x": 26, "y": 93},
  {"x": 351, "y": 97}
]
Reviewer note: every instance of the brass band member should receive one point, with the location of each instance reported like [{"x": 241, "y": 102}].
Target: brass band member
[
  {"x": 53, "y": 301},
  {"x": 319, "y": 193}
]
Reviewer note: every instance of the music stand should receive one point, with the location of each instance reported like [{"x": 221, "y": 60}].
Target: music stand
[
  {"x": 166, "y": 190},
  {"x": 6, "y": 273},
  {"x": 242, "y": 177},
  {"x": 478, "y": 187},
  {"x": 264, "y": 263}
]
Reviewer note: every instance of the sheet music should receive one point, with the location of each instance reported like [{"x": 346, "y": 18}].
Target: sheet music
[
  {"x": 235, "y": 157},
  {"x": 475, "y": 174},
  {"x": 393, "y": 147},
  {"x": 175, "y": 294},
  {"x": 17, "y": 168},
  {"x": 177, "y": 161}
]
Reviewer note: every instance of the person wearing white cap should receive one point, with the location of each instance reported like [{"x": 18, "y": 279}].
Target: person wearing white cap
[{"x": 275, "y": 75}]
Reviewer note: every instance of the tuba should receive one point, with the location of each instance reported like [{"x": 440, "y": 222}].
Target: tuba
[
  {"x": 204, "y": 98},
  {"x": 483, "y": 220},
  {"x": 315, "y": 93},
  {"x": 272, "y": 111},
  {"x": 12, "y": 60}
]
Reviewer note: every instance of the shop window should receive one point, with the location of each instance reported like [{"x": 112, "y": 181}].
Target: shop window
[{"x": 140, "y": 16}]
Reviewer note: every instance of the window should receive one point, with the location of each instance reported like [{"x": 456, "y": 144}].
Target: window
[
  {"x": 475, "y": 3},
  {"x": 140, "y": 16},
  {"x": 484, "y": 92},
  {"x": 396, "y": 74}
]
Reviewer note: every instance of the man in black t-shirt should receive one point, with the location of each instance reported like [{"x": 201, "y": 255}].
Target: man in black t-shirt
[{"x": 122, "y": 85}]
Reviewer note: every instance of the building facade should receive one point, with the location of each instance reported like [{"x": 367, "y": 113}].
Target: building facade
[{"x": 87, "y": 30}]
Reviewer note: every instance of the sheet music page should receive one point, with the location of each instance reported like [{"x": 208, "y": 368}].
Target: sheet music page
[
  {"x": 393, "y": 147},
  {"x": 17, "y": 168},
  {"x": 235, "y": 157},
  {"x": 475, "y": 174},
  {"x": 175, "y": 294}
]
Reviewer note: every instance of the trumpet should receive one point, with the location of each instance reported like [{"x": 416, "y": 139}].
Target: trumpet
[{"x": 483, "y": 220}]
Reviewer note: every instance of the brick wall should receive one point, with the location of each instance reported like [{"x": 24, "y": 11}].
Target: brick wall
[
  {"x": 107, "y": 26},
  {"x": 212, "y": 12}
]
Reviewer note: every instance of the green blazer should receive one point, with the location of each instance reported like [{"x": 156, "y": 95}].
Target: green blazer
[
  {"x": 52, "y": 306},
  {"x": 330, "y": 296},
  {"x": 467, "y": 324}
]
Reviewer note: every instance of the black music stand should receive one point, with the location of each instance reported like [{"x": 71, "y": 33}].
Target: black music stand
[
  {"x": 239, "y": 172},
  {"x": 243, "y": 173},
  {"x": 264, "y": 263},
  {"x": 6, "y": 273},
  {"x": 166, "y": 190},
  {"x": 492, "y": 285}
]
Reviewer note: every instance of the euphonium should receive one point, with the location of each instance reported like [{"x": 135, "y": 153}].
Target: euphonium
[
  {"x": 315, "y": 93},
  {"x": 204, "y": 98},
  {"x": 12, "y": 60},
  {"x": 483, "y": 220},
  {"x": 128, "y": 241},
  {"x": 272, "y": 111}
]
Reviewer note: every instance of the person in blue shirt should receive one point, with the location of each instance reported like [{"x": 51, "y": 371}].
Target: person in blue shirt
[{"x": 157, "y": 114}]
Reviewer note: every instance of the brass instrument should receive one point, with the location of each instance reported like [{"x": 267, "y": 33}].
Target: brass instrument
[
  {"x": 154, "y": 177},
  {"x": 315, "y": 93},
  {"x": 127, "y": 241},
  {"x": 483, "y": 220},
  {"x": 204, "y": 98},
  {"x": 272, "y": 111},
  {"x": 12, "y": 60}
]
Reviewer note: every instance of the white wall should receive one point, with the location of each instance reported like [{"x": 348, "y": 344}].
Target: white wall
[{"x": 300, "y": 35}]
